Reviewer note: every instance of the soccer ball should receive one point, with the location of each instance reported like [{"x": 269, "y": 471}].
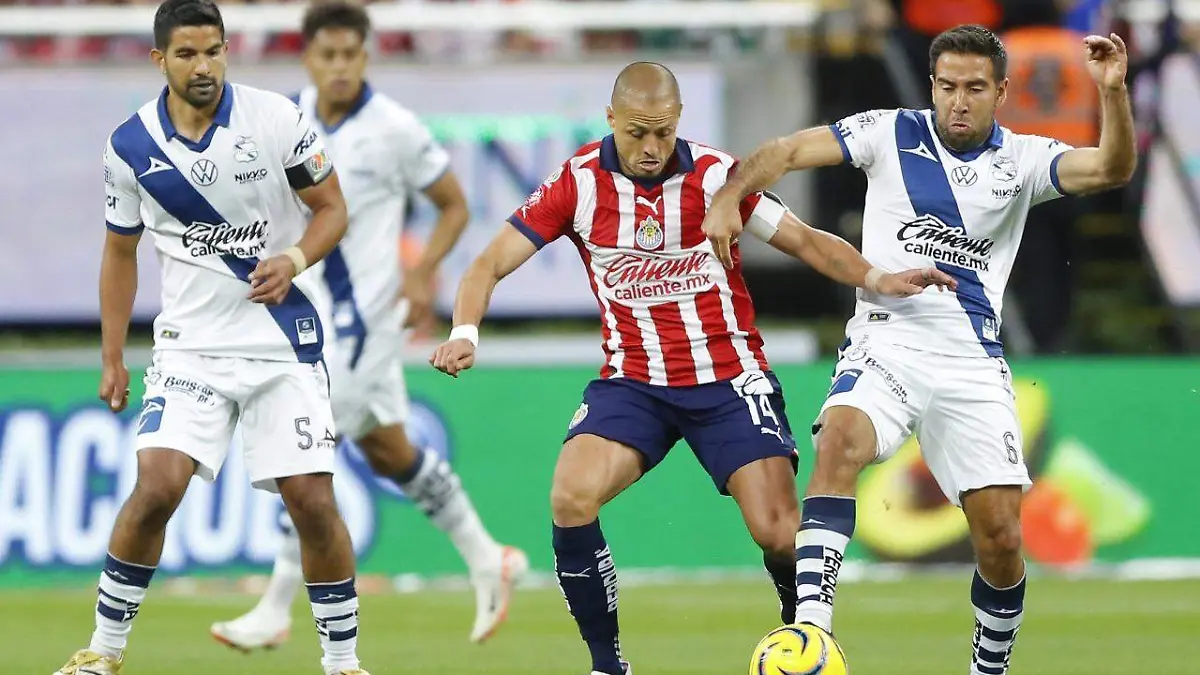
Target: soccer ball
[{"x": 799, "y": 649}]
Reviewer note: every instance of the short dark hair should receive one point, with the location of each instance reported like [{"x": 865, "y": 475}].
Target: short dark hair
[
  {"x": 174, "y": 14},
  {"x": 335, "y": 14},
  {"x": 970, "y": 39}
]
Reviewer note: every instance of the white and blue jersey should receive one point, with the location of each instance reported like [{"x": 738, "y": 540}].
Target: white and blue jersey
[
  {"x": 963, "y": 212},
  {"x": 215, "y": 208},
  {"x": 384, "y": 154}
]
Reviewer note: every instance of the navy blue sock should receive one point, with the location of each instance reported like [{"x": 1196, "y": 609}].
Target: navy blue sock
[
  {"x": 826, "y": 525},
  {"x": 998, "y": 613},
  {"x": 783, "y": 574},
  {"x": 588, "y": 580}
]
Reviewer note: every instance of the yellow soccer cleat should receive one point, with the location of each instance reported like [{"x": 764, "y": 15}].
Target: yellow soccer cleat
[{"x": 87, "y": 662}]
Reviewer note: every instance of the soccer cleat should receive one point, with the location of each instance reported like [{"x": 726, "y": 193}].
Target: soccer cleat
[
  {"x": 493, "y": 591},
  {"x": 87, "y": 662},
  {"x": 356, "y": 671},
  {"x": 250, "y": 631}
]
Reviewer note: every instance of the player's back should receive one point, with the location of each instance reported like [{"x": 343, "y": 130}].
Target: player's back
[
  {"x": 215, "y": 208},
  {"x": 671, "y": 313},
  {"x": 384, "y": 155},
  {"x": 963, "y": 212}
]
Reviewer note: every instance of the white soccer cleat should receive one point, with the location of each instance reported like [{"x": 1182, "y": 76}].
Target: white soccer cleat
[
  {"x": 493, "y": 591},
  {"x": 356, "y": 671},
  {"x": 87, "y": 662},
  {"x": 250, "y": 631}
]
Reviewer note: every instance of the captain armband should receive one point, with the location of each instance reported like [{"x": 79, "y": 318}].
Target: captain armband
[{"x": 310, "y": 172}]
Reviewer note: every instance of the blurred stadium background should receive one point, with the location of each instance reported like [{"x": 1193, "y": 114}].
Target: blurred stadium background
[{"x": 1102, "y": 327}]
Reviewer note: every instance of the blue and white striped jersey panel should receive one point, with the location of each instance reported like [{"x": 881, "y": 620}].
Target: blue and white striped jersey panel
[
  {"x": 963, "y": 212},
  {"x": 215, "y": 207},
  {"x": 384, "y": 155}
]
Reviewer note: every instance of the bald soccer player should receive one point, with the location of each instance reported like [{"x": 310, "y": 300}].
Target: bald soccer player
[{"x": 683, "y": 359}]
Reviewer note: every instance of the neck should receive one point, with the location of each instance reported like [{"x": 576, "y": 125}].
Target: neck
[
  {"x": 331, "y": 113},
  {"x": 190, "y": 122}
]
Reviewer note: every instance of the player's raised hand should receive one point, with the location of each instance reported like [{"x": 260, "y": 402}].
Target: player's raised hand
[
  {"x": 453, "y": 356},
  {"x": 912, "y": 282},
  {"x": 722, "y": 225},
  {"x": 271, "y": 280},
  {"x": 114, "y": 385},
  {"x": 1107, "y": 60}
]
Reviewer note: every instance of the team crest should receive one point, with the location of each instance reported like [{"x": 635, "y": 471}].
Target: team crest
[
  {"x": 245, "y": 150},
  {"x": 1004, "y": 169},
  {"x": 649, "y": 234},
  {"x": 578, "y": 416}
]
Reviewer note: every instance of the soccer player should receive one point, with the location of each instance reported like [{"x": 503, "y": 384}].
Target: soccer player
[
  {"x": 383, "y": 152},
  {"x": 683, "y": 357},
  {"x": 947, "y": 187},
  {"x": 238, "y": 338}
]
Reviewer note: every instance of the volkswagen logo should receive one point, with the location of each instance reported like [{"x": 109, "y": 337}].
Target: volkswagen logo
[
  {"x": 963, "y": 176},
  {"x": 204, "y": 172}
]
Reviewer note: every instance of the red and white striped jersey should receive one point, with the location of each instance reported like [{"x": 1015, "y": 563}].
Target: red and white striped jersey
[{"x": 672, "y": 314}]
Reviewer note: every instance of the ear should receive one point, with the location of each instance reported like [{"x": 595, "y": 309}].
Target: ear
[
  {"x": 612, "y": 120},
  {"x": 1002, "y": 92},
  {"x": 159, "y": 59}
]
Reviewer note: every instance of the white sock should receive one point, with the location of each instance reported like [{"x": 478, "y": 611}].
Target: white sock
[
  {"x": 438, "y": 492},
  {"x": 286, "y": 578},
  {"x": 335, "y": 609},
  {"x": 120, "y": 593}
]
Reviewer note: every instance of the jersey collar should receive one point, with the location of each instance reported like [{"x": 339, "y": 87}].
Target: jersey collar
[
  {"x": 995, "y": 141},
  {"x": 364, "y": 95},
  {"x": 220, "y": 119},
  {"x": 681, "y": 162}
]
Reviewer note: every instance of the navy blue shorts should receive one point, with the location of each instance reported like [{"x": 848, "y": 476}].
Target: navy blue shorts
[{"x": 727, "y": 424}]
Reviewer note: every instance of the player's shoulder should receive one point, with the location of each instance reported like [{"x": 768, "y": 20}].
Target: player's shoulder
[
  {"x": 707, "y": 154},
  {"x": 877, "y": 117},
  {"x": 262, "y": 106},
  {"x": 1032, "y": 144},
  {"x": 134, "y": 133},
  {"x": 586, "y": 157}
]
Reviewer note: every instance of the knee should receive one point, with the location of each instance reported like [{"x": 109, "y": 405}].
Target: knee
[
  {"x": 572, "y": 503},
  {"x": 155, "y": 501},
  {"x": 999, "y": 541},
  {"x": 843, "y": 447},
  {"x": 775, "y": 533},
  {"x": 309, "y": 499}
]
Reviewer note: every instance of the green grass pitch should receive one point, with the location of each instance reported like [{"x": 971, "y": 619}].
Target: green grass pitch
[{"x": 920, "y": 626}]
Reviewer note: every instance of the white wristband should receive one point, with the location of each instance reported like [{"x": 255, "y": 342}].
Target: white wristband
[
  {"x": 297, "y": 257},
  {"x": 871, "y": 283},
  {"x": 466, "y": 332}
]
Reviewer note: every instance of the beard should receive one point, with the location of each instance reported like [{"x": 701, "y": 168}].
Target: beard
[
  {"x": 199, "y": 97},
  {"x": 961, "y": 141}
]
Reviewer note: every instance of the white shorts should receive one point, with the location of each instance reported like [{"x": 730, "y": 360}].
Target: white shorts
[
  {"x": 962, "y": 409},
  {"x": 193, "y": 403},
  {"x": 369, "y": 393}
]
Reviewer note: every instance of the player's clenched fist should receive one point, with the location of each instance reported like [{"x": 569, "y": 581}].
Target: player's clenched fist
[
  {"x": 271, "y": 280},
  {"x": 722, "y": 224},
  {"x": 911, "y": 282},
  {"x": 454, "y": 356},
  {"x": 114, "y": 386}
]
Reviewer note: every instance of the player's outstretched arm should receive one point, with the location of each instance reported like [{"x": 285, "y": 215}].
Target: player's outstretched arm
[
  {"x": 1111, "y": 165},
  {"x": 118, "y": 287},
  {"x": 508, "y": 251},
  {"x": 451, "y": 204},
  {"x": 272, "y": 278},
  {"x": 835, "y": 258},
  {"x": 763, "y": 168}
]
